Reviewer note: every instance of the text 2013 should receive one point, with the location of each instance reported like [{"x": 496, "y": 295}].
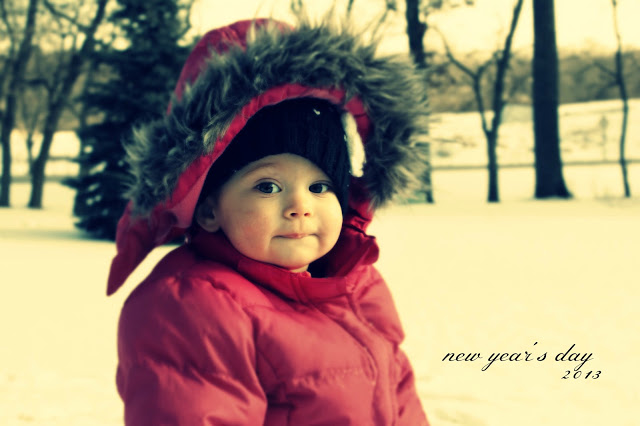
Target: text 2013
[{"x": 578, "y": 374}]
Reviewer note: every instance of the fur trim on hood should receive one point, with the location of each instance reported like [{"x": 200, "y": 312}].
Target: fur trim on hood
[{"x": 321, "y": 56}]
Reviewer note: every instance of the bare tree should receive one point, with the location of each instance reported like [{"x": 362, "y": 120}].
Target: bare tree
[
  {"x": 349, "y": 7},
  {"x": 31, "y": 111},
  {"x": 6, "y": 33},
  {"x": 500, "y": 60},
  {"x": 416, "y": 14},
  {"x": 548, "y": 162},
  {"x": 620, "y": 81},
  {"x": 16, "y": 65},
  {"x": 416, "y": 30},
  {"x": 298, "y": 7},
  {"x": 59, "y": 95}
]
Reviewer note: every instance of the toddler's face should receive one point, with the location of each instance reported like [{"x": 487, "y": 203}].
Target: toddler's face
[{"x": 279, "y": 210}]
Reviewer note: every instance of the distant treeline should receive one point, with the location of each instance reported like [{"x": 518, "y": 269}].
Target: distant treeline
[{"x": 584, "y": 76}]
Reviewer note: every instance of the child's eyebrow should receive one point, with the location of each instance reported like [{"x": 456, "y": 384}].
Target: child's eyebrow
[{"x": 256, "y": 167}]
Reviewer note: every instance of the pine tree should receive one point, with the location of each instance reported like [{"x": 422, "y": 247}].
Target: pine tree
[{"x": 139, "y": 82}]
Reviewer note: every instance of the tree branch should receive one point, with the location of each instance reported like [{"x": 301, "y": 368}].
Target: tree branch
[
  {"x": 604, "y": 69},
  {"x": 474, "y": 76},
  {"x": 502, "y": 65},
  {"x": 12, "y": 48},
  {"x": 35, "y": 82},
  {"x": 452, "y": 58},
  {"x": 349, "y": 7},
  {"x": 7, "y": 23},
  {"x": 187, "y": 20},
  {"x": 59, "y": 14}
]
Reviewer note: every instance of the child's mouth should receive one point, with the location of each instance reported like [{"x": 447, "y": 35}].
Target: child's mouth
[{"x": 294, "y": 236}]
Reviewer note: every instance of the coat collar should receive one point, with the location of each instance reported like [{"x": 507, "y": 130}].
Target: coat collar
[{"x": 354, "y": 249}]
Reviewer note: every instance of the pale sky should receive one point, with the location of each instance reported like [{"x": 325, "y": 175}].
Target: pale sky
[{"x": 579, "y": 23}]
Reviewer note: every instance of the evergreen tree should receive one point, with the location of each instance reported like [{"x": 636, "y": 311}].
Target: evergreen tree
[{"x": 138, "y": 86}]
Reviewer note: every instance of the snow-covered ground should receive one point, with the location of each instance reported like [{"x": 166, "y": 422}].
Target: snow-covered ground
[
  {"x": 523, "y": 276},
  {"x": 467, "y": 277}
]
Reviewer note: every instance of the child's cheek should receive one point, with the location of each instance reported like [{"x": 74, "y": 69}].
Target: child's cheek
[{"x": 255, "y": 225}]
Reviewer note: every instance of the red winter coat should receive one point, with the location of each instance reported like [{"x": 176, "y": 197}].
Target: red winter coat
[
  {"x": 212, "y": 337},
  {"x": 215, "y": 338}
]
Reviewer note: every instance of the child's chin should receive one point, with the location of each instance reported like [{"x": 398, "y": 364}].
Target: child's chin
[{"x": 296, "y": 268}]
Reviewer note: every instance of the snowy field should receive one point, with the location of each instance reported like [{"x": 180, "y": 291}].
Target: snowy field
[{"x": 520, "y": 277}]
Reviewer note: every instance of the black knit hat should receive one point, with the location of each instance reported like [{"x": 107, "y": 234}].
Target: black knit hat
[{"x": 309, "y": 127}]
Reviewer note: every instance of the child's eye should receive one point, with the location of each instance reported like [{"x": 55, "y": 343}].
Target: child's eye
[
  {"x": 320, "y": 187},
  {"x": 268, "y": 188}
]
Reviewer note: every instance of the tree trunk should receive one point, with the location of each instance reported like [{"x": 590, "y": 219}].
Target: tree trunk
[
  {"x": 56, "y": 106},
  {"x": 415, "y": 32},
  {"x": 426, "y": 178},
  {"x": 38, "y": 169},
  {"x": 502, "y": 67},
  {"x": 16, "y": 78},
  {"x": 5, "y": 185},
  {"x": 623, "y": 160},
  {"x": 548, "y": 163},
  {"x": 492, "y": 140},
  {"x": 622, "y": 87}
]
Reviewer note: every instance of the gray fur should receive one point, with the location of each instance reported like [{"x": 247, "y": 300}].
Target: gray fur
[{"x": 312, "y": 55}]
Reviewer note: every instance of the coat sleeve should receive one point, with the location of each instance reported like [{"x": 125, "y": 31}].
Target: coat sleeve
[{"x": 187, "y": 356}]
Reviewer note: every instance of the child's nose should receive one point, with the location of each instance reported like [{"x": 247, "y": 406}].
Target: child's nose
[{"x": 298, "y": 205}]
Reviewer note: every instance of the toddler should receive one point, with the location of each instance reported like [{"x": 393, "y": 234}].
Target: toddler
[{"x": 271, "y": 312}]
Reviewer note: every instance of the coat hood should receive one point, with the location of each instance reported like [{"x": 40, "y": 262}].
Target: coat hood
[{"x": 231, "y": 74}]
